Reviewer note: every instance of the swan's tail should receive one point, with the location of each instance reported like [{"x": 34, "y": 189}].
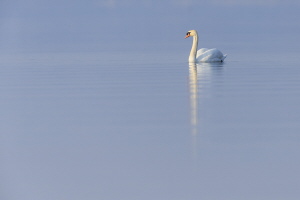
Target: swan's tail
[{"x": 224, "y": 56}]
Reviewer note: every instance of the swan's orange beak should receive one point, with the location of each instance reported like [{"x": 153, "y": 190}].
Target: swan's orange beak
[{"x": 186, "y": 36}]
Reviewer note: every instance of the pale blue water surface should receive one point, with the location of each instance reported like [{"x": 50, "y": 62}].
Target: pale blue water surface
[{"x": 119, "y": 125}]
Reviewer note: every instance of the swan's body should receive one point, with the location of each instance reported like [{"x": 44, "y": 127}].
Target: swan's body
[{"x": 204, "y": 54}]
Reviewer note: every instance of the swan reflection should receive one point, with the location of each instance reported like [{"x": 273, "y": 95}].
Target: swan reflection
[{"x": 200, "y": 77}]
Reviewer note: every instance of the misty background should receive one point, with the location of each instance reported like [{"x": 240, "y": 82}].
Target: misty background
[{"x": 113, "y": 25}]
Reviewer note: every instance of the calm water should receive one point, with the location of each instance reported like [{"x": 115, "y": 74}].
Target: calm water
[{"x": 126, "y": 125}]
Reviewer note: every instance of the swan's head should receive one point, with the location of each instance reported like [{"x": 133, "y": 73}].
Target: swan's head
[{"x": 191, "y": 33}]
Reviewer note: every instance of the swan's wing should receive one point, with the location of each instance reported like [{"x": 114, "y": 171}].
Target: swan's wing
[
  {"x": 201, "y": 51},
  {"x": 210, "y": 55}
]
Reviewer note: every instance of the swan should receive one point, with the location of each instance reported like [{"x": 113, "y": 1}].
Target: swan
[{"x": 204, "y": 54}]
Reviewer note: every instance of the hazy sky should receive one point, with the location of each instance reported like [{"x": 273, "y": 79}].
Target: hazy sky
[{"x": 66, "y": 24}]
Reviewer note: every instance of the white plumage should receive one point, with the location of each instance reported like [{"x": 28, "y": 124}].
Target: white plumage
[{"x": 203, "y": 54}]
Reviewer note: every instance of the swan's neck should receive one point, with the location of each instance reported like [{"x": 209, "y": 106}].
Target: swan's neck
[{"x": 192, "y": 57}]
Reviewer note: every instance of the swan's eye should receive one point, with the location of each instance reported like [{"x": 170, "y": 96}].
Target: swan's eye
[{"x": 188, "y": 33}]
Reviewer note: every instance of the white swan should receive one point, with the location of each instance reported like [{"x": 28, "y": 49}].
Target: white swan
[{"x": 204, "y": 54}]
